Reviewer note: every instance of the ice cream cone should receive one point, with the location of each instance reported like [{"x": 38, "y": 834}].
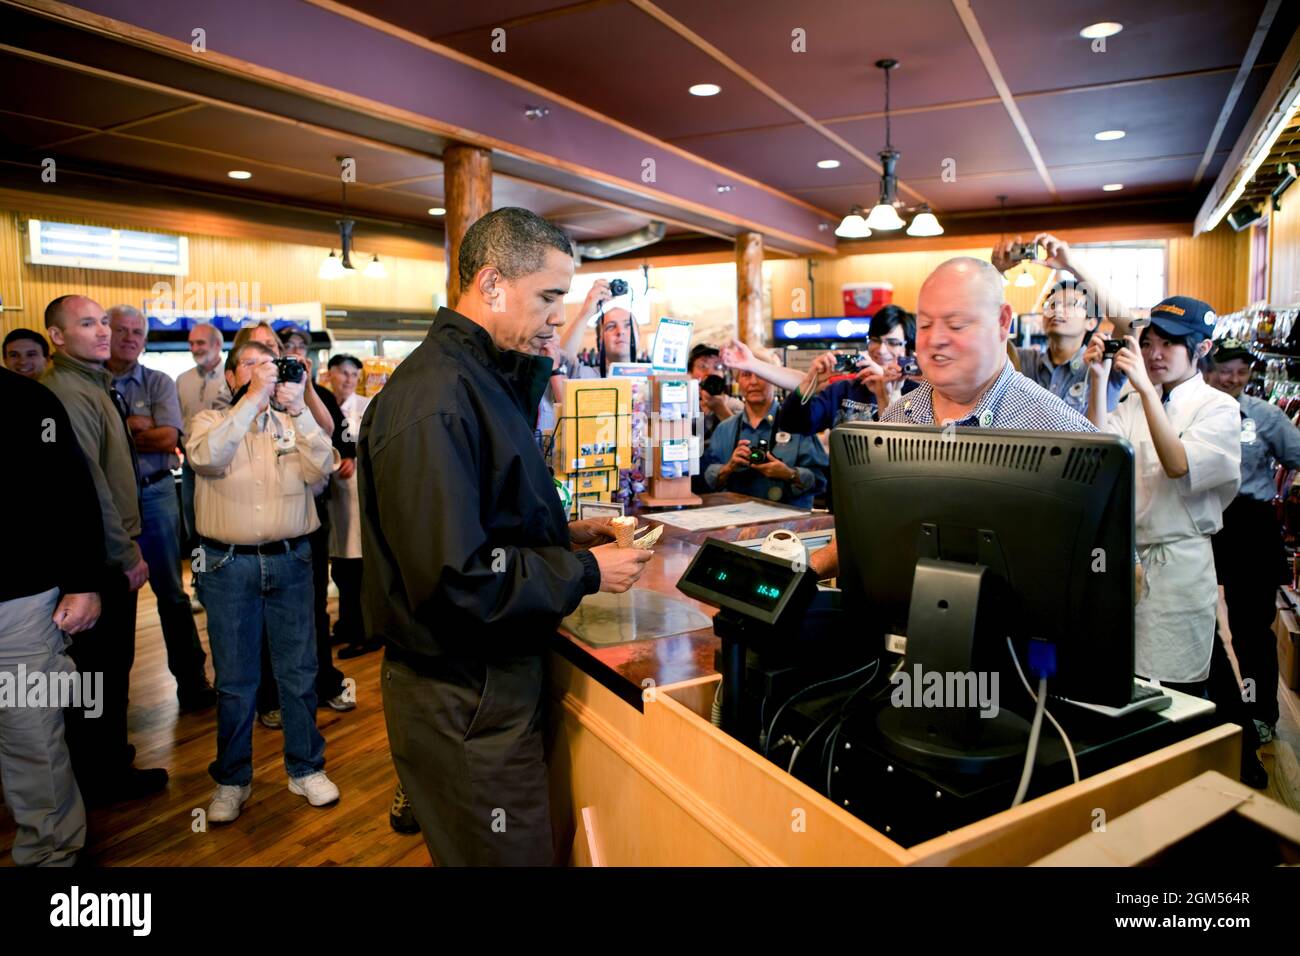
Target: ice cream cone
[{"x": 624, "y": 528}]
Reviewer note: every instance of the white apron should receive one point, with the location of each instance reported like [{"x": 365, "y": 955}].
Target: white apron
[
  {"x": 344, "y": 502},
  {"x": 1173, "y": 521}
]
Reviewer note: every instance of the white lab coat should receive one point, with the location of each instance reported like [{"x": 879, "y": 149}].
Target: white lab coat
[
  {"x": 1174, "y": 519},
  {"x": 344, "y": 502}
]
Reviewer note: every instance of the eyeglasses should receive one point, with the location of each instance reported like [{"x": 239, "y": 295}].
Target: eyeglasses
[{"x": 892, "y": 343}]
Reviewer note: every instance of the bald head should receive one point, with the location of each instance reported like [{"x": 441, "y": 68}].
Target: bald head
[
  {"x": 79, "y": 327},
  {"x": 980, "y": 278},
  {"x": 962, "y": 323},
  {"x": 66, "y": 307}
]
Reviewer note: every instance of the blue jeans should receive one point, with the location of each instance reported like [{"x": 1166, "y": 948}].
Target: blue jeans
[
  {"x": 160, "y": 544},
  {"x": 246, "y": 594}
]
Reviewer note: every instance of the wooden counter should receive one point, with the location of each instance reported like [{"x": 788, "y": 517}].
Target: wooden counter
[
  {"x": 626, "y": 668},
  {"x": 640, "y": 777}
]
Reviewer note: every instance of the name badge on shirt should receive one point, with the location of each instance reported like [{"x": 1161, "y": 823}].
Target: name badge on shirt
[
  {"x": 1077, "y": 389},
  {"x": 1249, "y": 431},
  {"x": 782, "y": 438},
  {"x": 986, "y": 418},
  {"x": 284, "y": 443},
  {"x": 1076, "y": 363}
]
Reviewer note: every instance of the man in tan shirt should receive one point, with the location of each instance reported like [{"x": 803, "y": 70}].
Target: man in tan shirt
[{"x": 256, "y": 464}]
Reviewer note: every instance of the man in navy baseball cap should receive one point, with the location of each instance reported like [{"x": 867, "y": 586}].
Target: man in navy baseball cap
[{"x": 1181, "y": 315}]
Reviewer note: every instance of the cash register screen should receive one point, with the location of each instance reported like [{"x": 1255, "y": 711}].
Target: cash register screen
[{"x": 743, "y": 578}]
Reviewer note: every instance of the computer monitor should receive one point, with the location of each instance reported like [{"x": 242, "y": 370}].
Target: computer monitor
[{"x": 958, "y": 538}]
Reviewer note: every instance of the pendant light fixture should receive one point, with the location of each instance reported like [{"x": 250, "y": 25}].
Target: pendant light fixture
[
  {"x": 884, "y": 216},
  {"x": 335, "y": 267}
]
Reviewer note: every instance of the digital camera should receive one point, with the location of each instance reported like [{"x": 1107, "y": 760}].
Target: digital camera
[
  {"x": 1020, "y": 251},
  {"x": 908, "y": 365},
  {"x": 617, "y": 287},
  {"x": 1111, "y": 347},
  {"x": 291, "y": 369},
  {"x": 848, "y": 362},
  {"x": 758, "y": 452}
]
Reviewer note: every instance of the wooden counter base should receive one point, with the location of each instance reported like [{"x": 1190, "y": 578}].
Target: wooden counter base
[{"x": 663, "y": 787}]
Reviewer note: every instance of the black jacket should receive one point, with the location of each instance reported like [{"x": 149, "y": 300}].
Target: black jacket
[
  {"x": 53, "y": 531},
  {"x": 466, "y": 546}
]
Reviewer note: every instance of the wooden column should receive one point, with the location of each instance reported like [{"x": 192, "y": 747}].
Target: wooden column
[
  {"x": 749, "y": 289},
  {"x": 467, "y": 186}
]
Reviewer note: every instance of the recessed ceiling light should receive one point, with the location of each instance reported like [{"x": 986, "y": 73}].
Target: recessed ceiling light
[
  {"x": 828, "y": 164},
  {"x": 705, "y": 89},
  {"x": 437, "y": 211},
  {"x": 240, "y": 174},
  {"x": 1112, "y": 187},
  {"x": 1096, "y": 31},
  {"x": 1109, "y": 134}
]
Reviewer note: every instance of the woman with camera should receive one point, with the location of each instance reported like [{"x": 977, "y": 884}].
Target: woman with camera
[
  {"x": 1186, "y": 439},
  {"x": 878, "y": 378}
]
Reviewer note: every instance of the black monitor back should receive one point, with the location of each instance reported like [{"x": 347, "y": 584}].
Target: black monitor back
[{"x": 1050, "y": 514}]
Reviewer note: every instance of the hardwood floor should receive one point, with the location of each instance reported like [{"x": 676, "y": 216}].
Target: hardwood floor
[{"x": 276, "y": 828}]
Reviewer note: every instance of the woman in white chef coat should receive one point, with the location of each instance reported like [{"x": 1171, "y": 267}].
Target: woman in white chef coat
[
  {"x": 345, "y": 513},
  {"x": 1186, "y": 439}
]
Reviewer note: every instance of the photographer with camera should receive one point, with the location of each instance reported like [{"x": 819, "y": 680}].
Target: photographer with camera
[
  {"x": 256, "y": 464},
  {"x": 885, "y": 373},
  {"x": 1071, "y": 311},
  {"x": 706, "y": 367},
  {"x": 747, "y": 453}
]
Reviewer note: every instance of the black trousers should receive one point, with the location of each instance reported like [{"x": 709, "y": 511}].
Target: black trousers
[
  {"x": 329, "y": 679},
  {"x": 98, "y": 745},
  {"x": 1251, "y": 562},
  {"x": 467, "y": 741},
  {"x": 347, "y": 577}
]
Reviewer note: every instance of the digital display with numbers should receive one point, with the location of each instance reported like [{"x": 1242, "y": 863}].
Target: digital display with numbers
[{"x": 746, "y": 578}]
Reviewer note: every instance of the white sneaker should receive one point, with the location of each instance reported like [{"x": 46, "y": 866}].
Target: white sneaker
[
  {"x": 226, "y": 803},
  {"x": 316, "y": 787}
]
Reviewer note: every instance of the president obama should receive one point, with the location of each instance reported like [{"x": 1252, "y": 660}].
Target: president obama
[{"x": 469, "y": 563}]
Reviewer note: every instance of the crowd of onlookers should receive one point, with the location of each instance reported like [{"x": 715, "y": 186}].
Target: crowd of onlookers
[{"x": 266, "y": 508}]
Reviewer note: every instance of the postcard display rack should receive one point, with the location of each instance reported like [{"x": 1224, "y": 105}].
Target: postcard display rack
[
  {"x": 675, "y": 441},
  {"x": 594, "y": 438}
]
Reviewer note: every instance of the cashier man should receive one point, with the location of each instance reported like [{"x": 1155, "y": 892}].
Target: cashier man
[
  {"x": 790, "y": 468},
  {"x": 469, "y": 562},
  {"x": 962, "y": 323}
]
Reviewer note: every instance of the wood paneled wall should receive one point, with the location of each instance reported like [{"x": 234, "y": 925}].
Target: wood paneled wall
[
  {"x": 273, "y": 271},
  {"x": 1284, "y": 262},
  {"x": 1213, "y": 267},
  {"x": 905, "y": 270}
]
